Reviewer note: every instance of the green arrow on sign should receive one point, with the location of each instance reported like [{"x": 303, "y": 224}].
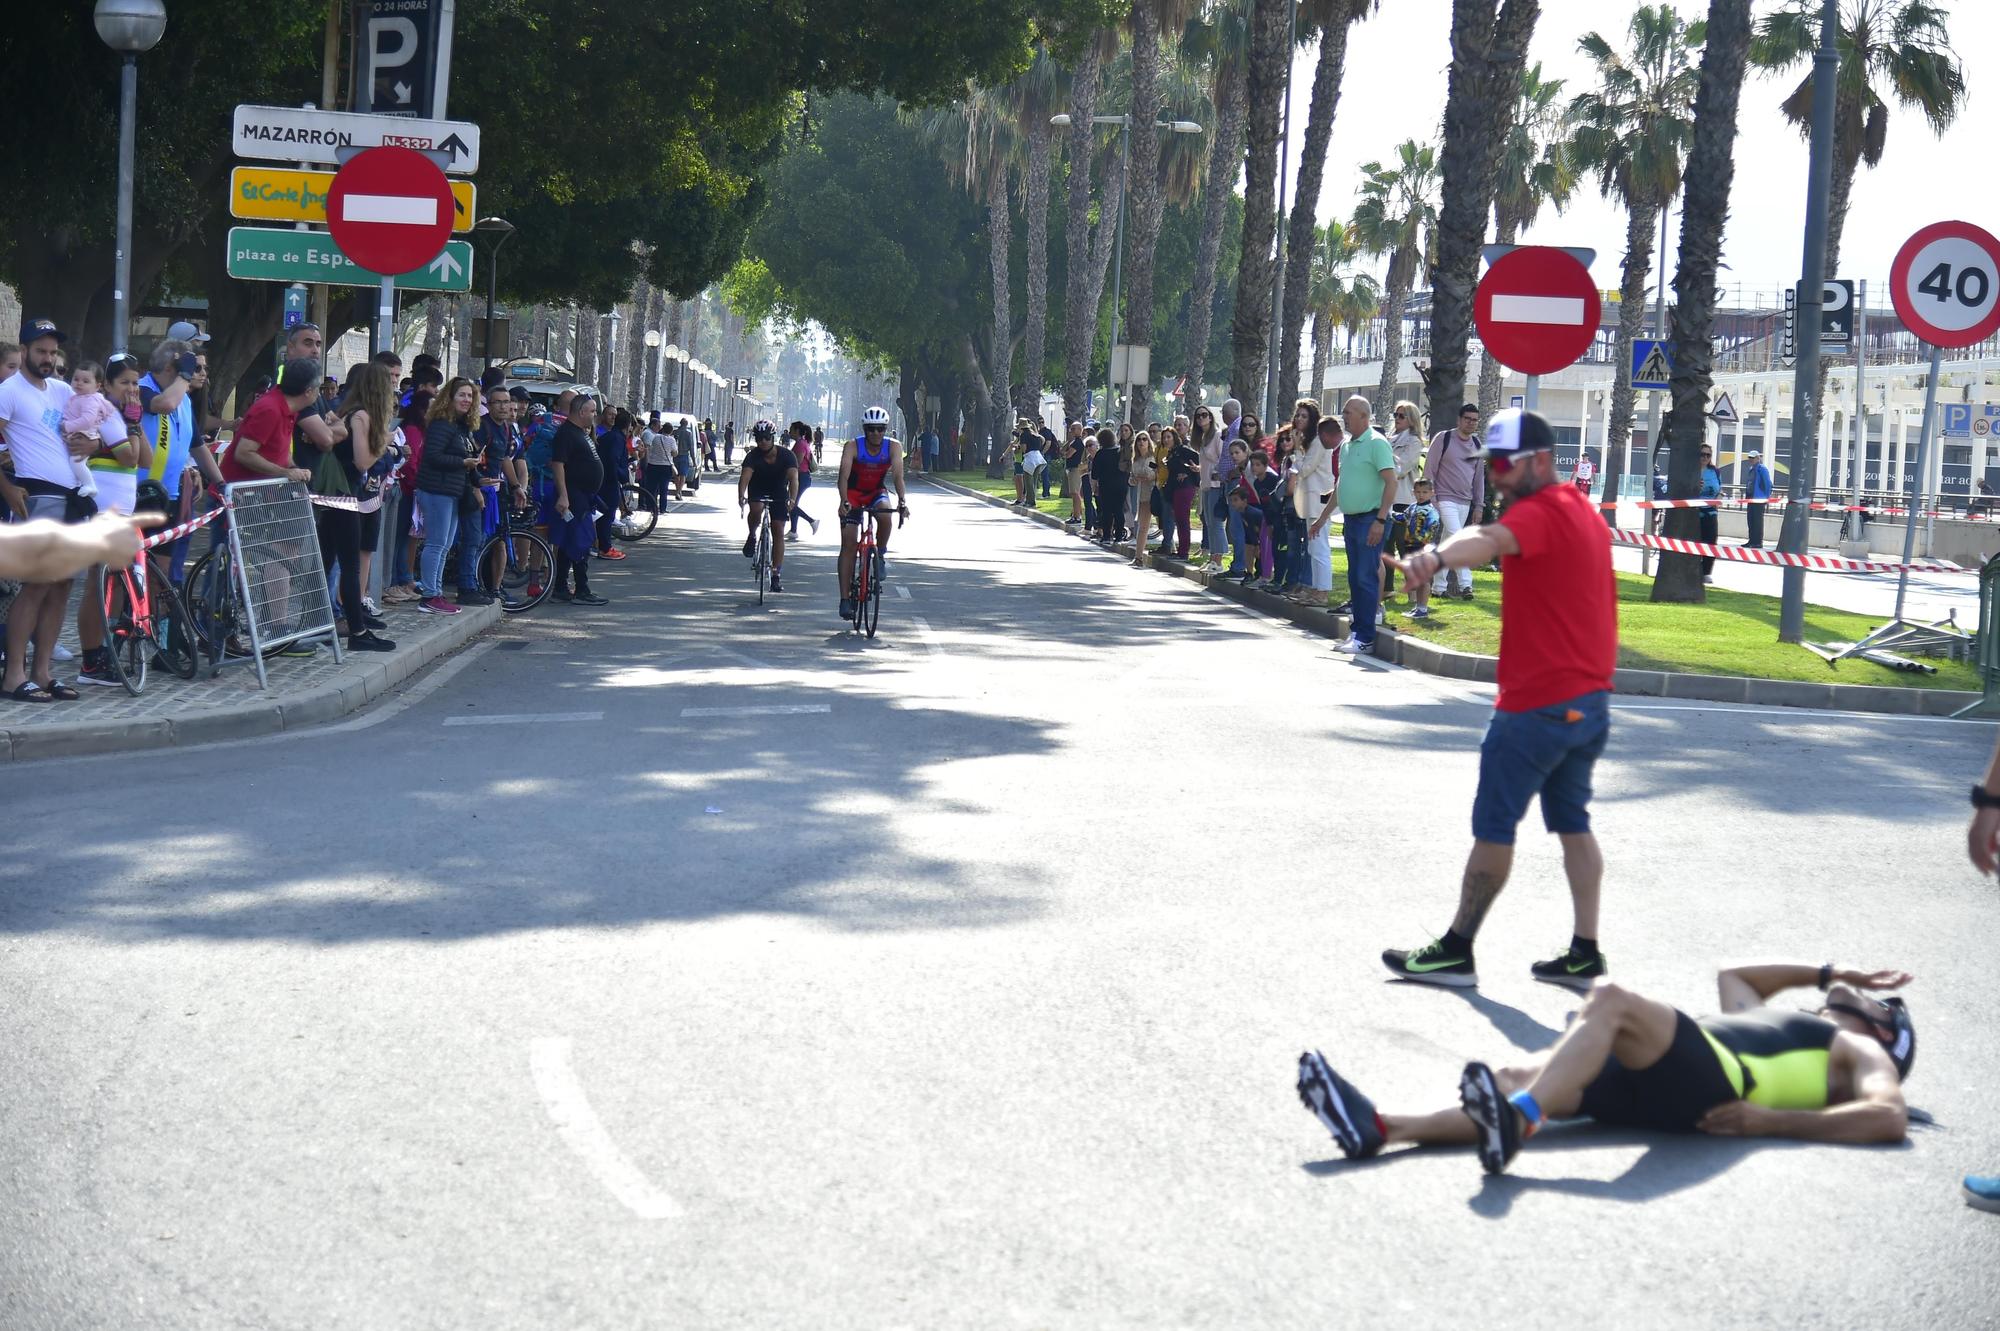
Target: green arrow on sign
[{"x": 279, "y": 254}]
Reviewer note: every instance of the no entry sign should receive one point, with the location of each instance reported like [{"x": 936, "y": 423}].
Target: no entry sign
[
  {"x": 1946, "y": 284},
  {"x": 390, "y": 210},
  {"x": 1537, "y": 309}
]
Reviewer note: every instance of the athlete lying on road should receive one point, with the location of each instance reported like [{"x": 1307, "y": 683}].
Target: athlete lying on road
[{"x": 1835, "y": 1075}]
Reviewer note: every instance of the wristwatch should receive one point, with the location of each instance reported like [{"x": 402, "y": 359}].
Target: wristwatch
[{"x": 1982, "y": 800}]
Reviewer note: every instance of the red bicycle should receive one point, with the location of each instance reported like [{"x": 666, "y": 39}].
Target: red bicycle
[
  {"x": 145, "y": 620},
  {"x": 865, "y": 588}
]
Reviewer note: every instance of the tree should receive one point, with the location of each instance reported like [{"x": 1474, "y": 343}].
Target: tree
[
  {"x": 1397, "y": 216},
  {"x": 1336, "y": 293},
  {"x": 1268, "y": 62},
  {"x": 1534, "y": 168},
  {"x": 1704, "y": 213},
  {"x": 1632, "y": 132},
  {"x": 1079, "y": 309},
  {"x": 1035, "y": 97},
  {"x": 1333, "y": 18},
  {"x": 1223, "y": 41},
  {"x": 1488, "y": 51}
]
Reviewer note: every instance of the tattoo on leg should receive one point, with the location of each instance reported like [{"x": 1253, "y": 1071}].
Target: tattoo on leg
[{"x": 1475, "y": 898}]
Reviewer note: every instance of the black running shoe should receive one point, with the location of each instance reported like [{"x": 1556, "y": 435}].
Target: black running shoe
[
  {"x": 1432, "y": 963},
  {"x": 1345, "y": 1112},
  {"x": 1570, "y": 968},
  {"x": 777, "y": 583},
  {"x": 846, "y": 608},
  {"x": 1497, "y": 1120},
  {"x": 750, "y": 547}
]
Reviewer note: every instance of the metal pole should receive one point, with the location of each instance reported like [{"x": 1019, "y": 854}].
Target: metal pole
[
  {"x": 1917, "y": 477},
  {"x": 121, "y": 278},
  {"x": 1531, "y": 397},
  {"x": 1278, "y": 214},
  {"x": 492, "y": 281},
  {"x": 1812, "y": 296},
  {"x": 1854, "y": 532},
  {"x": 1653, "y": 398},
  {"x": 385, "y": 317},
  {"x": 1118, "y": 265}
]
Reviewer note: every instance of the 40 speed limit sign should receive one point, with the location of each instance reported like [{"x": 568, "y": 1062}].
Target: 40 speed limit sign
[{"x": 1946, "y": 284}]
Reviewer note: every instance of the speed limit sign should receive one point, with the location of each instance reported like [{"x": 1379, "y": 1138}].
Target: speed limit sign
[{"x": 1946, "y": 284}]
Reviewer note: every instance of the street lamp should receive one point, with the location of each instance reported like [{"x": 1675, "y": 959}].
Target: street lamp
[
  {"x": 653, "y": 341},
  {"x": 1124, "y": 124},
  {"x": 129, "y": 27},
  {"x": 504, "y": 230}
]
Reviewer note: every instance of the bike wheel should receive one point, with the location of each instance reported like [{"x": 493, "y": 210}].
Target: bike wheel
[
  {"x": 639, "y": 514},
  {"x": 874, "y": 607},
  {"x": 173, "y": 633},
  {"x": 518, "y": 567},
  {"x": 211, "y": 601},
  {"x": 863, "y": 562},
  {"x": 125, "y": 644},
  {"x": 763, "y": 559}
]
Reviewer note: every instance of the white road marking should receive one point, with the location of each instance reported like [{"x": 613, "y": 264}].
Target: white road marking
[
  {"x": 522, "y": 718},
  {"x": 902, "y": 591},
  {"x": 581, "y": 1131},
  {"x": 928, "y": 634},
  {"x": 782, "y": 709}
]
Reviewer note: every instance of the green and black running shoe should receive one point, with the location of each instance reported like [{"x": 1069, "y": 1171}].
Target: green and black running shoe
[
  {"x": 1492, "y": 1114},
  {"x": 1571, "y": 969},
  {"x": 1433, "y": 963}
]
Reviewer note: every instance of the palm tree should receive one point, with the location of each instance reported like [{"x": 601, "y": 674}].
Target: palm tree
[
  {"x": 1034, "y": 98},
  {"x": 1710, "y": 172},
  {"x": 1397, "y": 216},
  {"x": 1332, "y": 18},
  {"x": 1223, "y": 42},
  {"x": 1175, "y": 179},
  {"x": 1079, "y": 307},
  {"x": 1633, "y": 132},
  {"x": 1268, "y": 61},
  {"x": 1534, "y": 168},
  {"x": 1336, "y": 294}
]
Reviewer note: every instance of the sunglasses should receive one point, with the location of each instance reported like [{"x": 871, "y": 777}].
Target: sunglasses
[
  {"x": 874, "y": 429},
  {"x": 1401, "y": 414},
  {"x": 1502, "y": 463}
]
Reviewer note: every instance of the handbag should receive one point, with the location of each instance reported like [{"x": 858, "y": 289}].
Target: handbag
[{"x": 329, "y": 477}]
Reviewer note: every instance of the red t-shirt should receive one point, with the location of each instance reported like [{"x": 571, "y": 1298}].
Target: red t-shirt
[
  {"x": 1558, "y": 602},
  {"x": 269, "y": 421}
]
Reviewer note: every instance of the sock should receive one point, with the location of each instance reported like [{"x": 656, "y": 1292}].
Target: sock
[
  {"x": 1583, "y": 947},
  {"x": 1456, "y": 943}
]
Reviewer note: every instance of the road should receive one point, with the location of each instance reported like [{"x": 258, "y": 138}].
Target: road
[{"x": 689, "y": 963}]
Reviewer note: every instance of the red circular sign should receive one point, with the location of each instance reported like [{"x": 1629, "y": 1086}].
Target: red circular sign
[
  {"x": 390, "y": 210},
  {"x": 1946, "y": 284},
  {"x": 1537, "y": 309}
]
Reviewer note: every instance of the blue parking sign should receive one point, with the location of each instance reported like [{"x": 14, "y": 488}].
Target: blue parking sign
[{"x": 1957, "y": 419}]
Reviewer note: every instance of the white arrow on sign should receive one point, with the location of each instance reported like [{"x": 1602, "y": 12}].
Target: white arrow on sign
[
  {"x": 293, "y": 134},
  {"x": 402, "y": 94},
  {"x": 444, "y": 266}
]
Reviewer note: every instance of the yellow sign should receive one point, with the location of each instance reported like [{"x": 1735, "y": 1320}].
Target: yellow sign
[{"x": 273, "y": 194}]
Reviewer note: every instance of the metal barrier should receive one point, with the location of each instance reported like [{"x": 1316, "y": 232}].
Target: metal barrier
[
  {"x": 1986, "y": 650},
  {"x": 276, "y": 564}
]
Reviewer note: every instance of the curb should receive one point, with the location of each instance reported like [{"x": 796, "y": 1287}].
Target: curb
[
  {"x": 356, "y": 687},
  {"x": 1416, "y": 653}
]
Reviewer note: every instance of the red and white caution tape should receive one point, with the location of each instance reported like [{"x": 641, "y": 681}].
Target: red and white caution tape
[
  {"x": 1777, "y": 501},
  {"x": 175, "y": 533},
  {"x": 1740, "y": 555}
]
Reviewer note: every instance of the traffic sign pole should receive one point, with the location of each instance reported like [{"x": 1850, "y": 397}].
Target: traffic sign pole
[
  {"x": 1917, "y": 480},
  {"x": 1854, "y": 529}
]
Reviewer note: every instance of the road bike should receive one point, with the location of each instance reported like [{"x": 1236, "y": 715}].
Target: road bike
[
  {"x": 636, "y": 515},
  {"x": 761, "y": 563},
  {"x": 215, "y": 603},
  {"x": 517, "y": 565},
  {"x": 145, "y": 620},
  {"x": 870, "y": 570}
]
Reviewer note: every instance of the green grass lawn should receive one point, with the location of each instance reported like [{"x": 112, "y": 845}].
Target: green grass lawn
[{"x": 1734, "y": 633}]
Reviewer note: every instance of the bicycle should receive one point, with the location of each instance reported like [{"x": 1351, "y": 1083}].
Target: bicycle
[
  {"x": 636, "y": 515},
  {"x": 865, "y": 588},
  {"x": 761, "y": 564},
  {"x": 215, "y": 606},
  {"x": 142, "y": 610},
  {"x": 517, "y": 565}
]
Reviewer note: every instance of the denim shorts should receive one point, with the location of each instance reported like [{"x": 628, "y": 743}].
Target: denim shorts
[{"x": 1548, "y": 752}]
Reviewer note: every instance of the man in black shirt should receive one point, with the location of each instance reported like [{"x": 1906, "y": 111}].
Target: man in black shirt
[
  {"x": 770, "y": 477},
  {"x": 579, "y": 476}
]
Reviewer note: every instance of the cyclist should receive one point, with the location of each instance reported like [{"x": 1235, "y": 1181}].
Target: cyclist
[
  {"x": 770, "y": 477},
  {"x": 867, "y": 465}
]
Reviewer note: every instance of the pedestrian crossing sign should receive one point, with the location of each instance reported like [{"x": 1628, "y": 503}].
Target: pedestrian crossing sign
[{"x": 1652, "y": 363}]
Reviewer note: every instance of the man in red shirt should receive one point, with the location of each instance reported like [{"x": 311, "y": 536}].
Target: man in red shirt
[{"x": 1558, "y": 648}]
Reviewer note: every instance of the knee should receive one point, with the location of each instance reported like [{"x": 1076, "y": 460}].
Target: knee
[{"x": 1608, "y": 1000}]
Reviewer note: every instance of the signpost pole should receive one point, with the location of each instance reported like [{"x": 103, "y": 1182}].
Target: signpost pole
[
  {"x": 1532, "y": 396},
  {"x": 1854, "y": 531},
  {"x": 1917, "y": 479},
  {"x": 385, "y": 318}
]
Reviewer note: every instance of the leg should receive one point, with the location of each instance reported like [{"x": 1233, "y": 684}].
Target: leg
[
  {"x": 48, "y": 627},
  {"x": 22, "y": 620},
  {"x": 1486, "y": 872},
  {"x": 777, "y": 543},
  {"x": 1754, "y": 518},
  {"x": 1319, "y": 561},
  {"x": 1451, "y": 519},
  {"x": 1613, "y": 1022},
  {"x": 850, "y": 535},
  {"x": 1583, "y": 865}
]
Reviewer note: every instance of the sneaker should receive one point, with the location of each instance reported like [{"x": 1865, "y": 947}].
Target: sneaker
[
  {"x": 437, "y": 605},
  {"x": 368, "y": 642},
  {"x": 1496, "y": 1119},
  {"x": 97, "y": 672},
  {"x": 1352, "y": 646},
  {"x": 1432, "y": 964},
  {"x": 370, "y": 610},
  {"x": 400, "y": 594},
  {"x": 62, "y": 653},
  {"x": 612, "y": 555},
  {"x": 1345, "y": 1112},
  {"x": 468, "y": 596},
  {"x": 371, "y": 620},
  {"x": 1570, "y": 968},
  {"x": 1072, "y": 522},
  {"x": 300, "y": 651},
  {"x": 1344, "y": 608},
  {"x": 1983, "y": 1191},
  {"x": 585, "y": 598},
  {"x": 777, "y": 583},
  {"x": 1381, "y": 616},
  {"x": 1465, "y": 595},
  {"x": 1419, "y": 612},
  {"x": 560, "y": 594},
  {"x": 750, "y": 547},
  {"x": 846, "y": 607}
]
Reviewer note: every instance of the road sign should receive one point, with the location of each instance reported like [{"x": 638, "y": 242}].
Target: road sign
[
  {"x": 743, "y": 387},
  {"x": 1537, "y": 309},
  {"x": 1946, "y": 284},
  {"x": 295, "y": 306},
  {"x": 404, "y": 48},
  {"x": 274, "y": 194},
  {"x": 1652, "y": 363},
  {"x": 390, "y": 209},
  {"x": 1836, "y": 317},
  {"x": 1724, "y": 411},
  {"x": 1517, "y": 401},
  {"x": 1788, "y": 340},
  {"x": 1957, "y": 419},
  {"x": 276, "y": 254},
  {"x": 292, "y": 134}
]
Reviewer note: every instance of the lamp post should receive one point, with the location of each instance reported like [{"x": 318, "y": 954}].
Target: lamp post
[
  {"x": 1124, "y": 124},
  {"x": 653, "y": 340},
  {"x": 503, "y": 229},
  {"x": 129, "y": 27}
]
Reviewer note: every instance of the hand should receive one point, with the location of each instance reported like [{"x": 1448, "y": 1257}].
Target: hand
[
  {"x": 1982, "y": 839},
  {"x": 117, "y": 535},
  {"x": 1885, "y": 979},
  {"x": 299, "y": 474},
  {"x": 1312, "y": 532},
  {"x": 82, "y": 445},
  {"x": 562, "y": 509},
  {"x": 1736, "y": 1118}
]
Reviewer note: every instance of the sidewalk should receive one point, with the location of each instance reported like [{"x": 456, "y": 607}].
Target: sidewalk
[{"x": 173, "y": 711}]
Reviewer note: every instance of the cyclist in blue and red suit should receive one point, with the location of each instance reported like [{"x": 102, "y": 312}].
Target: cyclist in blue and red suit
[{"x": 867, "y": 466}]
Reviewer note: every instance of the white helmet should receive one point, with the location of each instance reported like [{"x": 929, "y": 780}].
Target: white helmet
[{"x": 874, "y": 416}]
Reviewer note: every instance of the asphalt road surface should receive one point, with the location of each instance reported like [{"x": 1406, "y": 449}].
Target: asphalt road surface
[{"x": 690, "y": 963}]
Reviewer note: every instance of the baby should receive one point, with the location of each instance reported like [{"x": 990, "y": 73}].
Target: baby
[{"x": 85, "y": 413}]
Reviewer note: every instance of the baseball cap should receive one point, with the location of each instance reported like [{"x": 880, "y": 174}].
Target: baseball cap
[
  {"x": 1515, "y": 431},
  {"x": 183, "y": 331},
  {"x": 35, "y": 328}
]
